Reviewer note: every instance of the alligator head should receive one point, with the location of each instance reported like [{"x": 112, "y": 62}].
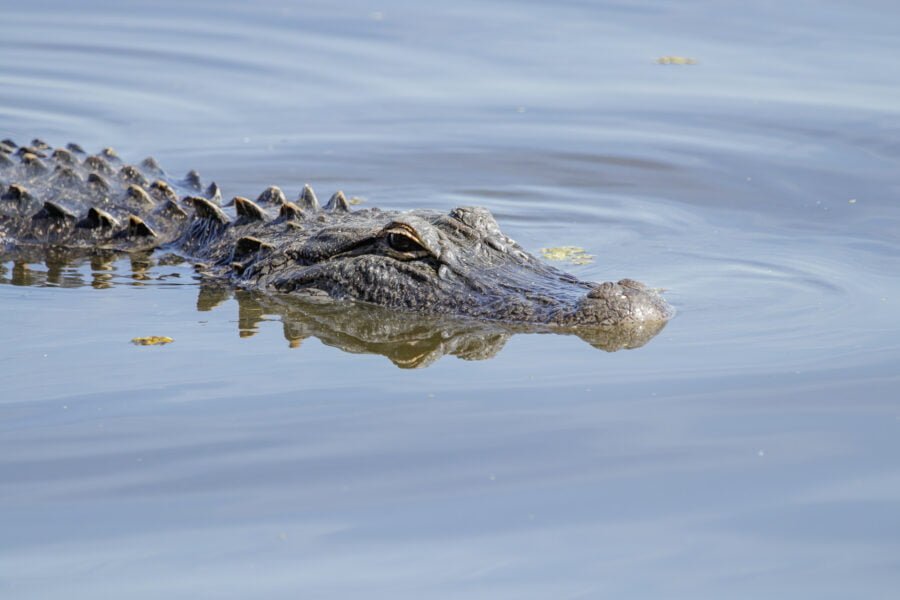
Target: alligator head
[{"x": 458, "y": 263}]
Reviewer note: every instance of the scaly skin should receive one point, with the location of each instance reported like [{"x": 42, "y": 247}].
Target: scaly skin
[{"x": 457, "y": 263}]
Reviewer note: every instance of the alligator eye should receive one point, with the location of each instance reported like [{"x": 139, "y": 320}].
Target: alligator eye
[{"x": 403, "y": 243}]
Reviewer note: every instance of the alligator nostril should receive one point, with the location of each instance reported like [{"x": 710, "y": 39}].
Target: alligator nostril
[{"x": 631, "y": 283}]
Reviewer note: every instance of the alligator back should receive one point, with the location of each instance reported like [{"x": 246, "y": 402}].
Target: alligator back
[{"x": 66, "y": 198}]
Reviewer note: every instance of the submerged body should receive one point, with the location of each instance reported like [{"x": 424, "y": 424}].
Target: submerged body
[{"x": 457, "y": 263}]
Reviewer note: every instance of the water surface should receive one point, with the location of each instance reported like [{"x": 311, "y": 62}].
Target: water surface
[{"x": 748, "y": 450}]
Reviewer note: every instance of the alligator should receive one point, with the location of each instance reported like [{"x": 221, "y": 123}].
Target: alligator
[{"x": 457, "y": 263}]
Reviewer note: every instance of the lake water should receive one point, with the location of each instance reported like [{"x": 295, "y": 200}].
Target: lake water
[{"x": 751, "y": 449}]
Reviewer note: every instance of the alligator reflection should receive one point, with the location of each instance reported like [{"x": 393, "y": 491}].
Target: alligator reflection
[
  {"x": 59, "y": 268},
  {"x": 407, "y": 340}
]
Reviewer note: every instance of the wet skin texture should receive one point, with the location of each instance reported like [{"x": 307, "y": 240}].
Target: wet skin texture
[{"x": 457, "y": 263}]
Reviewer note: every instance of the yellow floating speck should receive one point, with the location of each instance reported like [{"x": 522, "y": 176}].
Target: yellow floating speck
[
  {"x": 573, "y": 254},
  {"x": 153, "y": 340}
]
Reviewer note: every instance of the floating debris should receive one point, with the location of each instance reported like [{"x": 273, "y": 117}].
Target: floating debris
[
  {"x": 573, "y": 254},
  {"x": 675, "y": 60},
  {"x": 153, "y": 340}
]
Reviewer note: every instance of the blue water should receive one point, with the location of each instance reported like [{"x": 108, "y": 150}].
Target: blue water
[{"x": 749, "y": 450}]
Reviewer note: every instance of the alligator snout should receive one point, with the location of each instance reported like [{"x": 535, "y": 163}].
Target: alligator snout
[{"x": 625, "y": 302}]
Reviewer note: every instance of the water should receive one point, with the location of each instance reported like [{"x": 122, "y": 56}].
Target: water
[{"x": 748, "y": 450}]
